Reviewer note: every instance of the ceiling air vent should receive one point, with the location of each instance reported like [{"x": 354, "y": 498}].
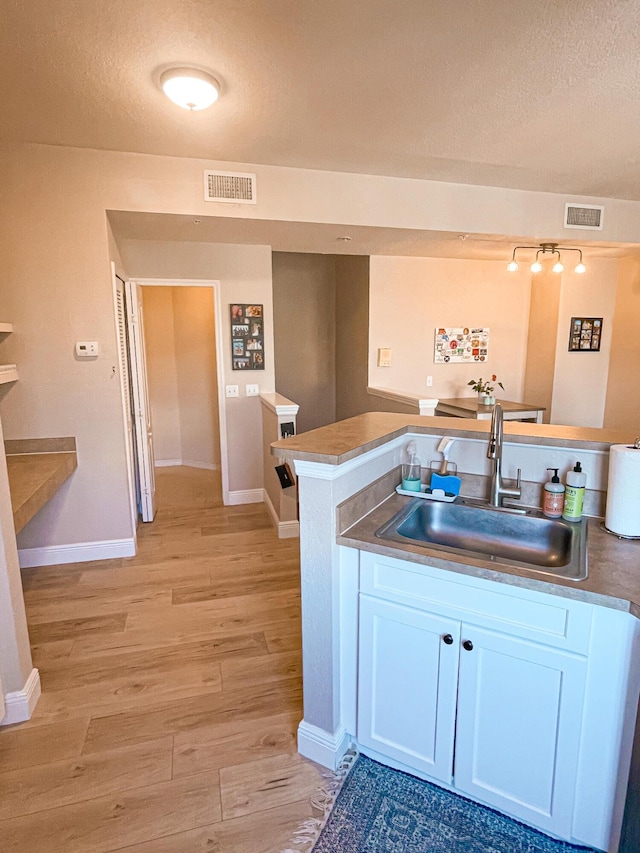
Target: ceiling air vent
[
  {"x": 588, "y": 217},
  {"x": 237, "y": 187}
]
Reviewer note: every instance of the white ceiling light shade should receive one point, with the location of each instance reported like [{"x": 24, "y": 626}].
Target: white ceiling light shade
[{"x": 190, "y": 88}]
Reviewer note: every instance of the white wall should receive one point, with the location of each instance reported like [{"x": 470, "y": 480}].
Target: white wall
[
  {"x": 580, "y": 378},
  {"x": 411, "y": 297}
]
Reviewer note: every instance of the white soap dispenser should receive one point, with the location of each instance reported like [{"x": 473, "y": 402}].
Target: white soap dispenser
[
  {"x": 553, "y": 501},
  {"x": 411, "y": 471}
]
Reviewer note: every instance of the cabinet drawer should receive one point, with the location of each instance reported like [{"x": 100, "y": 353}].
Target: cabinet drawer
[{"x": 544, "y": 618}]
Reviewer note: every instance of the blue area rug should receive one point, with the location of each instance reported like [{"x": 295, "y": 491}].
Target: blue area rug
[{"x": 380, "y": 810}]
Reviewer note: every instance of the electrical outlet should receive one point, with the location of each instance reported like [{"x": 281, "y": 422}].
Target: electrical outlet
[
  {"x": 232, "y": 391},
  {"x": 429, "y": 381},
  {"x": 251, "y": 390}
]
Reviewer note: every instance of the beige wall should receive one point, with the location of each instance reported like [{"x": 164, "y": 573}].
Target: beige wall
[
  {"x": 542, "y": 339},
  {"x": 305, "y": 334},
  {"x": 56, "y": 289},
  {"x": 244, "y": 273},
  {"x": 162, "y": 372},
  {"x": 197, "y": 381},
  {"x": 411, "y": 297},
  {"x": 580, "y": 379},
  {"x": 623, "y": 389}
]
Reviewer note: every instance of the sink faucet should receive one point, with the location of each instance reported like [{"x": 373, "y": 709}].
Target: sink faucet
[{"x": 497, "y": 490}]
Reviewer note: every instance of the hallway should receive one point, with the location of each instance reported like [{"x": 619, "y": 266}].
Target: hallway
[{"x": 171, "y": 691}]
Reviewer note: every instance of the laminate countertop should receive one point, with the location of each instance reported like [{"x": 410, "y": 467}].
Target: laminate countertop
[
  {"x": 344, "y": 440},
  {"x": 37, "y": 468},
  {"x": 614, "y": 563}
]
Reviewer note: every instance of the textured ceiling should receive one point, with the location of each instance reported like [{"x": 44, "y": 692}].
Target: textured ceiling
[{"x": 517, "y": 93}]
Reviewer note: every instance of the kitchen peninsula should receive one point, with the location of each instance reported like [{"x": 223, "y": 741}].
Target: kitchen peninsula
[{"x": 420, "y": 656}]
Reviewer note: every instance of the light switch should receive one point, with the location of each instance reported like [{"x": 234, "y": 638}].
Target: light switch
[
  {"x": 232, "y": 391},
  {"x": 87, "y": 349},
  {"x": 251, "y": 390},
  {"x": 384, "y": 357}
]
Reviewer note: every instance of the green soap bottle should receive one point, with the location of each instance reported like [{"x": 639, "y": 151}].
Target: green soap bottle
[{"x": 574, "y": 494}]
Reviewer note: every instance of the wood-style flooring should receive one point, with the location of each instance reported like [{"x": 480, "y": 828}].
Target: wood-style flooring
[{"x": 171, "y": 691}]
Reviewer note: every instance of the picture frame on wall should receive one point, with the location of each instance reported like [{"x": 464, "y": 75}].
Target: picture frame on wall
[
  {"x": 585, "y": 334},
  {"x": 247, "y": 336}
]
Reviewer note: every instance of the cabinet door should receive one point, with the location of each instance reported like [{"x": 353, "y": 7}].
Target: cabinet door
[
  {"x": 407, "y": 685},
  {"x": 518, "y": 727}
]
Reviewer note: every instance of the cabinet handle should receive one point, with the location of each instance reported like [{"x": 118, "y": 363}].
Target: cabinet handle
[
  {"x": 468, "y": 645},
  {"x": 447, "y": 638}
]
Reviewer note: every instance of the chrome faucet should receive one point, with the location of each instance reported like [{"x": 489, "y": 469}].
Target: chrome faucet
[{"x": 497, "y": 490}]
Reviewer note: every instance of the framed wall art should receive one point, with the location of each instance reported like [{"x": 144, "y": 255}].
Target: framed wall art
[
  {"x": 461, "y": 344},
  {"x": 247, "y": 336},
  {"x": 585, "y": 334}
]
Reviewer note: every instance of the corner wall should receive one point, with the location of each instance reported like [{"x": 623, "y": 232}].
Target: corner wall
[{"x": 622, "y": 408}]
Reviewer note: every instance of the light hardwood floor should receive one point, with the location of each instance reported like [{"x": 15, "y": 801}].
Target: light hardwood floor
[{"x": 171, "y": 691}]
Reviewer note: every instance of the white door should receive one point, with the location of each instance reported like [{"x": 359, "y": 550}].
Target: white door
[
  {"x": 518, "y": 728},
  {"x": 140, "y": 394},
  {"x": 407, "y": 685}
]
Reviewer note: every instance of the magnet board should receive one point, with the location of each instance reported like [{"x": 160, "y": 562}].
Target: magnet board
[{"x": 461, "y": 345}]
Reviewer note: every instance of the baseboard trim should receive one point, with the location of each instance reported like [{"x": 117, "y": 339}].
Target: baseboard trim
[
  {"x": 81, "y": 552},
  {"x": 20, "y": 704},
  {"x": 189, "y": 463},
  {"x": 246, "y": 496},
  {"x": 288, "y": 530},
  {"x": 321, "y": 746}
]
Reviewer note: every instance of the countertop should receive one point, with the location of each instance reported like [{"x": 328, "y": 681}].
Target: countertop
[
  {"x": 614, "y": 564},
  {"x": 37, "y": 468},
  {"x": 344, "y": 440}
]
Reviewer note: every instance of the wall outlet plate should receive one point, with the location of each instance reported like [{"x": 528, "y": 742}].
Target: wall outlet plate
[
  {"x": 232, "y": 391},
  {"x": 251, "y": 390}
]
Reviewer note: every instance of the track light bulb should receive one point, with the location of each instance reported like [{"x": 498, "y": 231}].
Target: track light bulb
[
  {"x": 536, "y": 266},
  {"x": 512, "y": 266},
  {"x": 558, "y": 267},
  {"x": 580, "y": 268}
]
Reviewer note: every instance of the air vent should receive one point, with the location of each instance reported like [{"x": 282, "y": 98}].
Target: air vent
[
  {"x": 588, "y": 217},
  {"x": 237, "y": 187}
]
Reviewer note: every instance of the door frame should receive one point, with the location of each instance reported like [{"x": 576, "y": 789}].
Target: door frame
[
  {"x": 127, "y": 414},
  {"x": 215, "y": 286}
]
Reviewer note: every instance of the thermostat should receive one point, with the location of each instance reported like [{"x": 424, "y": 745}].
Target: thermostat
[{"x": 87, "y": 349}]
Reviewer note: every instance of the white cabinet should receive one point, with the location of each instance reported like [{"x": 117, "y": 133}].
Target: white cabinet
[
  {"x": 408, "y": 685},
  {"x": 480, "y": 689},
  {"x": 518, "y": 727}
]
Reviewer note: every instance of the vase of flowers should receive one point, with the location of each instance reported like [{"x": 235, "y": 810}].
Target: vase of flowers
[{"x": 485, "y": 388}]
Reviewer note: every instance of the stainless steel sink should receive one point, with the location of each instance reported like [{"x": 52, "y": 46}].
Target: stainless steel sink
[{"x": 517, "y": 538}]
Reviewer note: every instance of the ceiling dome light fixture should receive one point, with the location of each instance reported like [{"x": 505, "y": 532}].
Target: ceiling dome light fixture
[
  {"x": 543, "y": 249},
  {"x": 190, "y": 88}
]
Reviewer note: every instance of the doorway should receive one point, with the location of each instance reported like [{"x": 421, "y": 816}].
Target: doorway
[{"x": 174, "y": 363}]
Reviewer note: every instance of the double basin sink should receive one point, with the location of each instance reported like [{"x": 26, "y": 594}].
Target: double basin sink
[{"x": 514, "y": 537}]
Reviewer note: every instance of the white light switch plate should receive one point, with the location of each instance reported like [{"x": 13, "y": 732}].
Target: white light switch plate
[
  {"x": 251, "y": 390},
  {"x": 384, "y": 357},
  {"x": 232, "y": 391}
]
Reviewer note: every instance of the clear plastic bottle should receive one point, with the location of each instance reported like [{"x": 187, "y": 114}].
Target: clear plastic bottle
[
  {"x": 553, "y": 499},
  {"x": 574, "y": 494}
]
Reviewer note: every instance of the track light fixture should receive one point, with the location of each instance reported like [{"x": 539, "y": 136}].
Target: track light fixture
[{"x": 543, "y": 249}]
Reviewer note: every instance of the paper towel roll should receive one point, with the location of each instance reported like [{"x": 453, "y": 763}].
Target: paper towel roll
[{"x": 623, "y": 490}]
